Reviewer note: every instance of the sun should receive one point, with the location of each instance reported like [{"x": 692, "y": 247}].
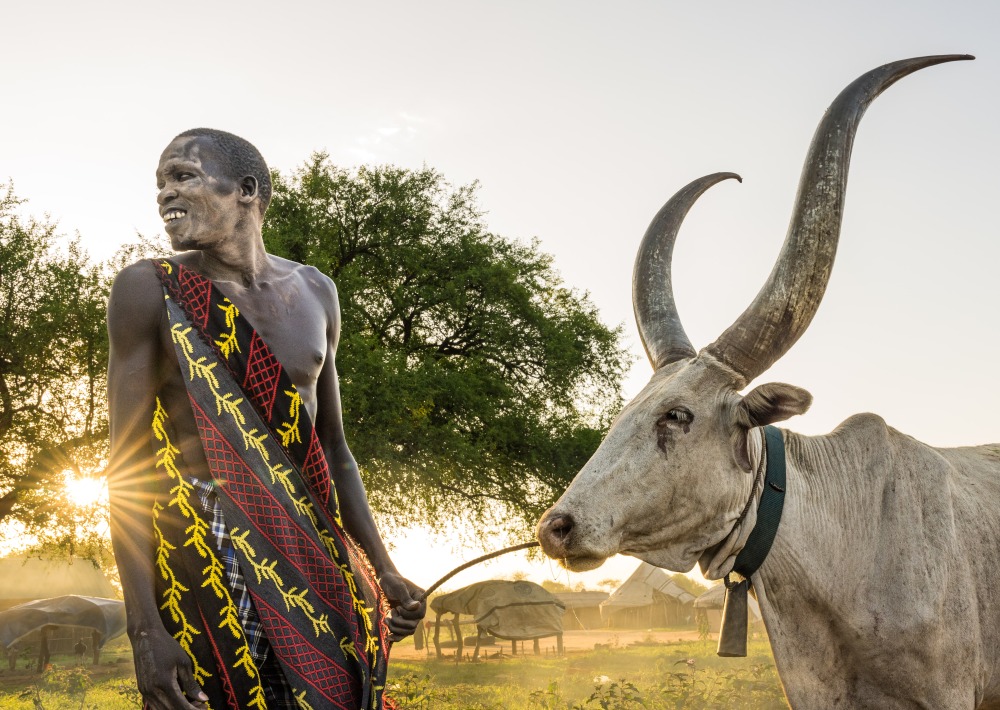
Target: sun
[{"x": 84, "y": 491}]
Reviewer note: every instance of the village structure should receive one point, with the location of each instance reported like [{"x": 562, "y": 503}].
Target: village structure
[
  {"x": 56, "y": 607},
  {"x": 69, "y": 608}
]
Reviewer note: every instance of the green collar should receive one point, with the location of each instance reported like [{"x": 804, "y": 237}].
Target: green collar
[
  {"x": 733, "y": 632},
  {"x": 772, "y": 501}
]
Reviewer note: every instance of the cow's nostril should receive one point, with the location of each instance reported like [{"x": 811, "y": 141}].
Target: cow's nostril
[{"x": 561, "y": 526}]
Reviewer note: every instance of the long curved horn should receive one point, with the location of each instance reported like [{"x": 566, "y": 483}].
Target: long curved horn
[
  {"x": 656, "y": 315},
  {"x": 786, "y": 304}
]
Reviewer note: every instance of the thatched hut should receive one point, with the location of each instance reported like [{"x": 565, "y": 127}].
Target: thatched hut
[{"x": 648, "y": 599}]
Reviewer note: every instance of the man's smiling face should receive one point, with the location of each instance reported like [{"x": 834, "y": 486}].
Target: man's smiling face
[{"x": 199, "y": 203}]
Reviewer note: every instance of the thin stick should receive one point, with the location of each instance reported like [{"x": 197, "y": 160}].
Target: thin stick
[{"x": 490, "y": 556}]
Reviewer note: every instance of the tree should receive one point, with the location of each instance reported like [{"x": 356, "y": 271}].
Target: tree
[
  {"x": 556, "y": 587},
  {"x": 610, "y": 584},
  {"x": 688, "y": 585},
  {"x": 474, "y": 382},
  {"x": 53, "y": 354}
]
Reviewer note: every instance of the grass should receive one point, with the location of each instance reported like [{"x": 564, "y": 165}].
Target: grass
[
  {"x": 678, "y": 676},
  {"x": 69, "y": 686},
  {"x": 682, "y": 675}
]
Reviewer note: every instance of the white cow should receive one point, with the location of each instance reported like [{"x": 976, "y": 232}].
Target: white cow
[{"x": 882, "y": 588}]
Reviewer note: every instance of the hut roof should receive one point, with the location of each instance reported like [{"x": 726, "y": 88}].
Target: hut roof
[
  {"x": 578, "y": 600},
  {"x": 639, "y": 589},
  {"x": 508, "y": 610},
  {"x": 106, "y": 616}
]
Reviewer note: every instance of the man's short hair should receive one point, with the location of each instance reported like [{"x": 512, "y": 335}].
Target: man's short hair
[{"x": 239, "y": 158}]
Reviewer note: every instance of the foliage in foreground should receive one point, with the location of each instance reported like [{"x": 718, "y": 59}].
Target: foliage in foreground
[
  {"x": 684, "y": 676},
  {"x": 679, "y": 676},
  {"x": 470, "y": 373}
]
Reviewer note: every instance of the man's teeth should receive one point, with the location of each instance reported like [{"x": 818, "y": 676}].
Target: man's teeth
[{"x": 173, "y": 214}]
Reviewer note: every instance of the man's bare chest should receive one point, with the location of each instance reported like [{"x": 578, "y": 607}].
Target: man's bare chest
[{"x": 293, "y": 324}]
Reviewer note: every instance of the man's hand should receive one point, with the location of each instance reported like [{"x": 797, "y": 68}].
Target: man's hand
[
  {"x": 164, "y": 675},
  {"x": 407, "y": 607}
]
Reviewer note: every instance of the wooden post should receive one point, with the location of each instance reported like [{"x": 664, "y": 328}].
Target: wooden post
[
  {"x": 513, "y": 648},
  {"x": 418, "y": 636},
  {"x": 96, "y": 645},
  {"x": 559, "y": 644},
  {"x": 536, "y": 648},
  {"x": 479, "y": 638},
  {"x": 437, "y": 635},
  {"x": 43, "y": 649},
  {"x": 458, "y": 634}
]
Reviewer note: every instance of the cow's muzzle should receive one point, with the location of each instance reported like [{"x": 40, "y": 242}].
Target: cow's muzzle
[
  {"x": 560, "y": 538},
  {"x": 555, "y": 531}
]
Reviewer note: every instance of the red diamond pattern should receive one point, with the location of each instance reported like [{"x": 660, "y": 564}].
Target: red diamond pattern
[
  {"x": 221, "y": 667},
  {"x": 196, "y": 293},
  {"x": 263, "y": 374},
  {"x": 334, "y": 683},
  {"x": 274, "y": 522},
  {"x": 316, "y": 471}
]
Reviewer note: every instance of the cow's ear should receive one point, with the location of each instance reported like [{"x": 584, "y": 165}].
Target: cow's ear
[{"x": 774, "y": 402}]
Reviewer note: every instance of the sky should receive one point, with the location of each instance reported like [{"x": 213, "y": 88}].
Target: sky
[{"x": 578, "y": 120}]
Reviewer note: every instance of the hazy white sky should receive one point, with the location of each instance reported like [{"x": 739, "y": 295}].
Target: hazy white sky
[{"x": 579, "y": 119}]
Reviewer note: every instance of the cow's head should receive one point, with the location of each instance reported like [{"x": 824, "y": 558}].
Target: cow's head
[{"x": 673, "y": 475}]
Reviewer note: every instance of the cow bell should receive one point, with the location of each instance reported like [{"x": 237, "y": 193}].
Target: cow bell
[{"x": 733, "y": 634}]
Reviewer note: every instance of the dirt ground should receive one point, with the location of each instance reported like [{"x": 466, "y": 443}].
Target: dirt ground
[{"x": 572, "y": 641}]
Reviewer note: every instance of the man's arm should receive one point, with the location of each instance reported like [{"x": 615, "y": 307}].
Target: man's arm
[
  {"x": 134, "y": 312},
  {"x": 354, "y": 509}
]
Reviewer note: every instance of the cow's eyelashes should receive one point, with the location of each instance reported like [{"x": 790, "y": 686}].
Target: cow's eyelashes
[{"x": 676, "y": 416}]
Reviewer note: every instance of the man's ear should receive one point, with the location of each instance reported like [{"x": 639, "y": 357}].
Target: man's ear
[
  {"x": 248, "y": 188},
  {"x": 773, "y": 402}
]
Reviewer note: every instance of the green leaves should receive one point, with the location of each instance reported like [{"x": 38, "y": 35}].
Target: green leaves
[
  {"x": 473, "y": 380},
  {"x": 53, "y": 353}
]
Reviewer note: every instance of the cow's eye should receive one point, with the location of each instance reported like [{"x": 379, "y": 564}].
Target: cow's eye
[{"x": 676, "y": 416}]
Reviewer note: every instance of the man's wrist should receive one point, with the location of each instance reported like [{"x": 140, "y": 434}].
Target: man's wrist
[
  {"x": 144, "y": 627},
  {"x": 384, "y": 568}
]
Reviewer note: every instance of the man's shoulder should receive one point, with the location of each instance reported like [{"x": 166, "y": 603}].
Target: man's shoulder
[
  {"x": 138, "y": 275},
  {"x": 314, "y": 280},
  {"x": 136, "y": 289}
]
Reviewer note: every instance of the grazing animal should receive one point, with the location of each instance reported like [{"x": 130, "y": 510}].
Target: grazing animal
[{"x": 882, "y": 587}]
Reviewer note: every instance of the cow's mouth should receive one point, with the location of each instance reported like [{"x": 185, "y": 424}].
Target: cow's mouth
[{"x": 582, "y": 563}]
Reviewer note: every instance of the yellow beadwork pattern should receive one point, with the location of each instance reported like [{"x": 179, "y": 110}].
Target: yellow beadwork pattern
[
  {"x": 293, "y": 598},
  {"x": 195, "y": 533},
  {"x": 300, "y": 698},
  {"x": 172, "y": 596},
  {"x": 365, "y": 611},
  {"x": 228, "y": 344},
  {"x": 289, "y": 431},
  {"x": 254, "y": 441}
]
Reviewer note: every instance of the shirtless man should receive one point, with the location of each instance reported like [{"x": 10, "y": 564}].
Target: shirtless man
[{"x": 213, "y": 191}]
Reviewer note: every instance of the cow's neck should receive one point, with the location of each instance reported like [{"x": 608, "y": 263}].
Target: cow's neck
[{"x": 851, "y": 568}]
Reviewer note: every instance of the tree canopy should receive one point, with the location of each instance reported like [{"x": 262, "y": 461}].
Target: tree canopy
[
  {"x": 474, "y": 382},
  {"x": 53, "y": 354}
]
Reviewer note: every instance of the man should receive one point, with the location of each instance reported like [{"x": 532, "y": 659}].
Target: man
[
  {"x": 79, "y": 649},
  {"x": 243, "y": 582}
]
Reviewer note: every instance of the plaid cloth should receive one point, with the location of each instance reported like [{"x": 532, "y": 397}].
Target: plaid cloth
[{"x": 276, "y": 688}]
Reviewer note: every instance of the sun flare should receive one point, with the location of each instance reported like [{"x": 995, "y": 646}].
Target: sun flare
[{"x": 84, "y": 491}]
